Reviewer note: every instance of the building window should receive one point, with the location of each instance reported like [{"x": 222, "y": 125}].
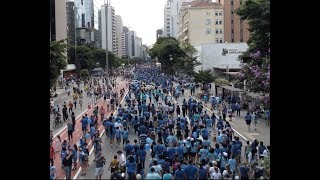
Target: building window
[
  {"x": 220, "y": 31},
  {"x": 232, "y": 31},
  {"x": 217, "y": 31},
  {"x": 208, "y": 21},
  {"x": 231, "y": 11},
  {"x": 216, "y": 13},
  {"x": 231, "y": 21},
  {"x": 208, "y": 13},
  {"x": 82, "y": 2},
  {"x": 220, "y": 21},
  {"x": 217, "y": 21},
  {"x": 231, "y": 2},
  {"x": 241, "y": 40},
  {"x": 217, "y": 40},
  {"x": 221, "y": 40},
  {"x": 208, "y": 31},
  {"x": 220, "y": 13},
  {"x": 168, "y": 27},
  {"x": 232, "y": 40}
]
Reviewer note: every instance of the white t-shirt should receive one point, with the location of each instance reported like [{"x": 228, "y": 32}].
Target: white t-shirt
[
  {"x": 122, "y": 160},
  {"x": 216, "y": 176},
  {"x": 225, "y": 172},
  {"x": 52, "y": 103},
  {"x": 211, "y": 170}
]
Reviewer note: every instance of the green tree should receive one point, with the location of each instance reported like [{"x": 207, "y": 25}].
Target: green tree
[
  {"x": 57, "y": 59},
  {"x": 256, "y": 60},
  {"x": 84, "y": 73},
  {"x": 172, "y": 57},
  {"x": 204, "y": 77}
]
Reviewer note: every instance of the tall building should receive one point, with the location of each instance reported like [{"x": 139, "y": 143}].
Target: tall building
[
  {"x": 58, "y": 20},
  {"x": 111, "y": 27},
  {"x": 126, "y": 40},
  {"x": 85, "y": 13},
  {"x": 132, "y": 44},
  {"x": 171, "y": 15},
  {"x": 235, "y": 30},
  {"x": 70, "y": 22},
  {"x": 58, "y": 29},
  {"x": 200, "y": 23},
  {"x": 159, "y": 33},
  {"x": 119, "y": 33}
]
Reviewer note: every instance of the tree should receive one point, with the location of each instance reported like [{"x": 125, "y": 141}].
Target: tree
[
  {"x": 221, "y": 82},
  {"x": 204, "y": 77},
  {"x": 57, "y": 59},
  {"x": 256, "y": 60},
  {"x": 84, "y": 73},
  {"x": 172, "y": 57}
]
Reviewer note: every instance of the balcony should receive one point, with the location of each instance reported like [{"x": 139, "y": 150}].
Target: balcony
[
  {"x": 185, "y": 38},
  {"x": 185, "y": 30}
]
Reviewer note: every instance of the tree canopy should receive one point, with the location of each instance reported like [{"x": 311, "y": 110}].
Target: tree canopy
[
  {"x": 256, "y": 60},
  {"x": 58, "y": 60},
  {"x": 90, "y": 57},
  {"x": 173, "y": 57}
]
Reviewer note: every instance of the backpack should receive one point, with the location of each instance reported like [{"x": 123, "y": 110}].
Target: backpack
[{"x": 85, "y": 157}]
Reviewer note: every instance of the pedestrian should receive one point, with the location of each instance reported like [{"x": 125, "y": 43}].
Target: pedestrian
[
  {"x": 73, "y": 119},
  {"x": 67, "y": 163},
  {"x": 70, "y": 106},
  {"x": 238, "y": 108},
  {"x": 80, "y": 101},
  {"x": 53, "y": 173},
  {"x": 100, "y": 161},
  {"x": 75, "y": 157},
  {"x": 114, "y": 164},
  {"x": 70, "y": 130},
  {"x": 131, "y": 167},
  {"x": 52, "y": 154},
  {"x": 248, "y": 119},
  {"x": 255, "y": 120},
  {"x": 58, "y": 143},
  {"x": 153, "y": 174}
]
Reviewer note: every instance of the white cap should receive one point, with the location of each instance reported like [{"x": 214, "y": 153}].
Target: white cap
[
  {"x": 236, "y": 177},
  {"x": 225, "y": 154}
]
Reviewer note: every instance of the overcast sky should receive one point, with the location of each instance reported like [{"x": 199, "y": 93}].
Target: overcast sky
[{"x": 142, "y": 16}]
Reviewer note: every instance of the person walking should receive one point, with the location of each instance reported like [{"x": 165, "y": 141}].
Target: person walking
[
  {"x": 248, "y": 119},
  {"x": 67, "y": 163},
  {"x": 70, "y": 130},
  {"x": 100, "y": 161}
]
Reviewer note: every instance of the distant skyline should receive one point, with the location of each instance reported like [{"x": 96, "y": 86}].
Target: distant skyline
[{"x": 142, "y": 16}]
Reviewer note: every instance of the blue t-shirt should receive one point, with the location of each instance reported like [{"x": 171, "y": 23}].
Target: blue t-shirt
[
  {"x": 131, "y": 167},
  {"x": 179, "y": 174},
  {"x": 202, "y": 173},
  {"x": 125, "y": 134},
  {"x": 233, "y": 164},
  {"x": 142, "y": 154},
  {"x": 191, "y": 171}
]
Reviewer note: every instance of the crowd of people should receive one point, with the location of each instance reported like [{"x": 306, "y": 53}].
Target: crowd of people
[{"x": 183, "y": 140}]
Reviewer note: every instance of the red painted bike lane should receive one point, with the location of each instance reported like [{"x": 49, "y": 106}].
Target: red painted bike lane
[{"x": 77, "y": 133}]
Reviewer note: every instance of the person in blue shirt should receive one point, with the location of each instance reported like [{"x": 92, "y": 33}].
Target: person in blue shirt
[
  {"x": 131, "y": 167},
  {"x": 84, "y": 124},
  {"x": 125, "y": 136},
  {"x": 203, "y": 172},
  {"x": 141, "y": 153},
  {"x": 248, "y": 119},
  {"x": 191, "y": 171},
  {"x": 220, "y": 125},
  {"x": 179, "y": 174},
  {"x": 233, "y": 163}
]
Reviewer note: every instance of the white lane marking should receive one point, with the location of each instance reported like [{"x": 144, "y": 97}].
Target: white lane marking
[{"x": 103, "y": 131}]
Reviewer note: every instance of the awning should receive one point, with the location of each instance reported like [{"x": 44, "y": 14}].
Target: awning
[
  {"x": 231, "y": 73},
  {"x": 230, "y": 88}
]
